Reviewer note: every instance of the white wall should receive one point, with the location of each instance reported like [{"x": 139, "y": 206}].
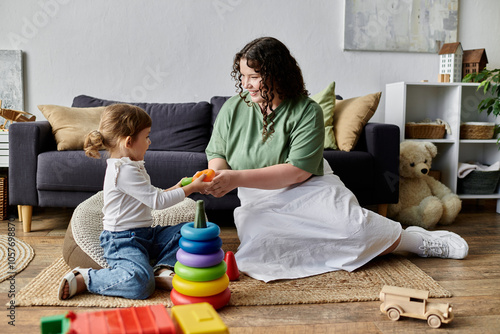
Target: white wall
[{"x": 182, "y": 50}]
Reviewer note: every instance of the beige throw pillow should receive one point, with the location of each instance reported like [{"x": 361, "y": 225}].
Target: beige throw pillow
[
  {"x": 71, "y": 125},
  {"x": 351, "y": 116}
]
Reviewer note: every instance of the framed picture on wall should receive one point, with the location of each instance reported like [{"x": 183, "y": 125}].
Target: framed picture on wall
[
  {"x": 11, "y": 80},
  {"x": 400, "y": 25}
]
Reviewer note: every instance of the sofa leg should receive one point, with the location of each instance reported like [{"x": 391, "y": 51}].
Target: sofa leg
[
  {"x": 382, "y": 209},
  {"x": 25, "y": 213}
]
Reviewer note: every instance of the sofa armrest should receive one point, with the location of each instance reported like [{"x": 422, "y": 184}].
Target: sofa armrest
[
  {"x": 382, "y": 142},
  {"x": 26, "y": 141}
]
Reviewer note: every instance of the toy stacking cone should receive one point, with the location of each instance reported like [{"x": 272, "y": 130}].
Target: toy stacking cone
[
  {"x": 199, "y": 218},
  {"x": 232, "y": 268},
  {"x": 200, "y": 269}
]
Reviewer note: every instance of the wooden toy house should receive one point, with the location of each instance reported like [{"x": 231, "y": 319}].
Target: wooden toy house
[
  {"x": 450, "y": 61},
  {"x": 474, "y": 61}
]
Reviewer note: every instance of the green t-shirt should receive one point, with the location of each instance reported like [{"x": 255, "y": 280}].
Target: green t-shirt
[{"x": 298, "y": 136}]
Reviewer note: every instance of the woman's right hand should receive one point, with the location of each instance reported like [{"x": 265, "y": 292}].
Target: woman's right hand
[{"x": 222, "y": 183}]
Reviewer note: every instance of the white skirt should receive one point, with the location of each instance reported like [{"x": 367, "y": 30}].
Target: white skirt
[{"x": 308, "y": 229}]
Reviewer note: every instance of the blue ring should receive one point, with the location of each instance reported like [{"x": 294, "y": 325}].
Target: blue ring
[
  {"x": 190, "y": 232},
  {"x": 200, "y": 247}
]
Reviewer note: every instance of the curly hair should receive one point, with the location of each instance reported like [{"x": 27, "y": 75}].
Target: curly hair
[
  {"x": 118, "y": 121},
  {"x": 279, "y": 71}
]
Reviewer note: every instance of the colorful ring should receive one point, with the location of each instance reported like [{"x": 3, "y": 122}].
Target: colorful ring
[
  {"x": 200, "y": 274},
  {"x": 200, "y": 289},
  {"x": 200, "y": 247},
  {"x": 217, "y": 301},
  {"x": 200, "y": 260},
  {"x": 190, "y": 232}
]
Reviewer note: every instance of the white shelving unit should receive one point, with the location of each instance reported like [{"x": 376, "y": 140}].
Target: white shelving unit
[
  {"x": 453, "y": 103},
  {"x": 4, "y": 149}
]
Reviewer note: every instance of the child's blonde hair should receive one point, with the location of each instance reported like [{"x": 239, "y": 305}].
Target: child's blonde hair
[{"x": 118, "y": 121}]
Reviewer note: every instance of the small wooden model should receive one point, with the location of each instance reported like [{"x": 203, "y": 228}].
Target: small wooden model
[
  {"x": 413, "y": 303},
  {"x": 450, "y": 61},
  {"x": 474, "y": 61},
  {"x": 15, "y": 116}
]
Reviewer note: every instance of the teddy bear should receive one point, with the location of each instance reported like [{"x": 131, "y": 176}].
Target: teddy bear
[{"x": 423, "y": 200}]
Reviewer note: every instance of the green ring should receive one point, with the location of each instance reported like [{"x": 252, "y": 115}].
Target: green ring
[{"x": 200, "y": 274}]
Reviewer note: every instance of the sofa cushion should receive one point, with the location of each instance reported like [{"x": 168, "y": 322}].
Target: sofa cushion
[
  {"x": 356, "y": 168},
  {"x": 351, "y": 116},
  {"x": 176, "y": 126},
  {"x": 326, "y": 99},
  {"x": 69, "y": 171},
  {"x": 217, "y": 102},
  {"x": 71, "y": 125},
  {"x": 166, "y": 168}
]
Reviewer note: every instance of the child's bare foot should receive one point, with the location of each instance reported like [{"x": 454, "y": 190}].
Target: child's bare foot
[{"x": 71, "y": 285}]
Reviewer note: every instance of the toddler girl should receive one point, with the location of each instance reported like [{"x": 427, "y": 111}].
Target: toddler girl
[{"x": 128, "y": 240}]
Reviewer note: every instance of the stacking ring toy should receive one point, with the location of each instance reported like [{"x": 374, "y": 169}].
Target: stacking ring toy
[
  {"x": 217, "y": 301},
  {"x": 200, "y": 247},
  {"x": 199, "y": 260},
  {"x": 200, "y": 274},
  {"x": 190, "y": 232},
  {"x": 200, "y": 289}
]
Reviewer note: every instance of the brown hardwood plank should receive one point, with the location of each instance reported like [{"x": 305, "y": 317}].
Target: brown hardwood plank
[{"x": 474, "y": 282}]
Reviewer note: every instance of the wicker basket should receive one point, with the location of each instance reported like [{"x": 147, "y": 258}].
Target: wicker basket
[
  {"x": 3, "y": 198},
  {"x": 479, "y": 182},
  {"x": 424, "y": 131},
  {"x": 477, "y": 130}
]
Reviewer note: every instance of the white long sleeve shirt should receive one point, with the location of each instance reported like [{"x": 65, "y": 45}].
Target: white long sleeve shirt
[{"x": 129, "y": 196}]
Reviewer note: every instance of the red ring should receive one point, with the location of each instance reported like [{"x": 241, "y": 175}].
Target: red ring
[{"x": 217, "y": 301}]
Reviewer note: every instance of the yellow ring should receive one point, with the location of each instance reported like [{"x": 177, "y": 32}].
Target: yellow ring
[{"x": 200, "y": 289}]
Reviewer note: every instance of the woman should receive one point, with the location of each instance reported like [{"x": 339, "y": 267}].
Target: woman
[{"x": 296, "y": 218}]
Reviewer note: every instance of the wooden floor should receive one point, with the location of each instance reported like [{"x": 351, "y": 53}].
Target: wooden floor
[{"x": 474, "y": 282}]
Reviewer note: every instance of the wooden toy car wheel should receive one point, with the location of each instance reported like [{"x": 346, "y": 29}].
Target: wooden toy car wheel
[
  {"x": 393, "y": 314},
  {"x": 434, "y": 321}
]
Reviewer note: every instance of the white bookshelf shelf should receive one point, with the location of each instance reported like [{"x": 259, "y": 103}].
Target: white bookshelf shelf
[
  {"x": 4, "y": 149},
  {"x": 454, "y": 103}
]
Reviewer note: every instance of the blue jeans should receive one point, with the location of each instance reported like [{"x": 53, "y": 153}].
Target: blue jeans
[{"x": 129, "y": 254}]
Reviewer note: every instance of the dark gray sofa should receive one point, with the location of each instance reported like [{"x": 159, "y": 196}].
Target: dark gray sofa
[{"x": 39, "y": 175}]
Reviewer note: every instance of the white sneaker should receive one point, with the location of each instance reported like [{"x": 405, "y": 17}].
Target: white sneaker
[{"x": 443, "y": 244}]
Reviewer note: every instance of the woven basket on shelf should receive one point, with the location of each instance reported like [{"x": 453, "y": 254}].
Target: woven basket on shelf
[
  {"x": 424, "y": 131},
  {"x": 479, "y": 182},
  {"x": 477, "y": 130},
  {"x": 3, "y": 198}
]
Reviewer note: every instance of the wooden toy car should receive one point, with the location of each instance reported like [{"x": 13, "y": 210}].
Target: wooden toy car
[{"x": 413, "y": 303}]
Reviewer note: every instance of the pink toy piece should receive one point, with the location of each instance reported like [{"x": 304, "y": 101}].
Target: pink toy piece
[
  {"x": 232, "y": 268},
  {"x": 217, "y": 301},
  {"x": 200, "y": 260}
]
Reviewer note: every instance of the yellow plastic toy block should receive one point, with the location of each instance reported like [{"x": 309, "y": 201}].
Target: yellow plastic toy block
[{"x": 198, "y": 318}]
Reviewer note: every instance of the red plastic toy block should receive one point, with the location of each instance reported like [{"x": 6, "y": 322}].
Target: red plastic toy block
[{"x": 147, "y": 320}]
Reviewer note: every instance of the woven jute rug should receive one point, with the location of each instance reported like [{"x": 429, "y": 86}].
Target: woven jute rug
[
  {"x": 15, "y": 254},
  {"x": 362, "y": 285}
]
